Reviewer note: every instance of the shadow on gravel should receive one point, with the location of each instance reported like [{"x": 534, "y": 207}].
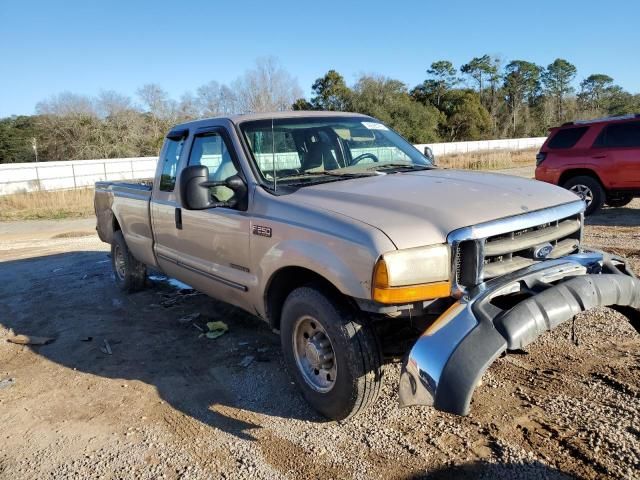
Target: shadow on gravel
[
  {"x": 620, "y": 217},
  {"x": 72, "y": 297},
  {"x": 484, "y": 470}
]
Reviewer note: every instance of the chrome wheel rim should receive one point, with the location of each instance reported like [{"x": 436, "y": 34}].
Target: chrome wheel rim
[
  {"x": 583, "y": 192},
  {"x": 119, "y": 262},
  {"x": 314, "y": 354}
]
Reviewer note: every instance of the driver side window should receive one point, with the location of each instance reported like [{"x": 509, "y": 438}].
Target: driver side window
[{"x": 211, "y": 150}]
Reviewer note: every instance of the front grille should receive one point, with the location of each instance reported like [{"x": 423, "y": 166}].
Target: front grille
[{"x": 481, "y": 259}]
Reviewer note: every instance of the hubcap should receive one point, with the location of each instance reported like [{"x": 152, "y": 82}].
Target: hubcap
[
  {"x": 118, "y": 260},
  {"x": 583, "y": 192},
  {"x": 314, "y": 354}
]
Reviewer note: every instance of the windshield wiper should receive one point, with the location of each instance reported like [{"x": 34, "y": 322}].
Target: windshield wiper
[
  {"x": 329, "y": 173},
  {"x": 398, "y": 166}
]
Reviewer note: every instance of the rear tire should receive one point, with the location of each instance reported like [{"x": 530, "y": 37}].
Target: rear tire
[
  {"x": 333, "y": 356},
  {"x": 619, "y": 201},
  {"x": 130, "y": 274},
  {"x": 589, "y": 190}
]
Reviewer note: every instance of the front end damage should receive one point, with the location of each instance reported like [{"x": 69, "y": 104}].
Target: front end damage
[{"x": 507, "y": 313}]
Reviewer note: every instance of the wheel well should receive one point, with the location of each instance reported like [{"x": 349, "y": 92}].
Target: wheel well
[
  {"x": 578, "y": 172},
  {"x": 286, "y": 280},
  {"x": 116, "y": 225}
]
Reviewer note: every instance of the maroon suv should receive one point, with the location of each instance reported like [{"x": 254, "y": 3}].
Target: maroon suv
[{"x": 598, "y": 159}]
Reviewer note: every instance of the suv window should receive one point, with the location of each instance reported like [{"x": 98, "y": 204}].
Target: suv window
[
  {"x": 211, "y": 151},
  {"x": 619, "y": 135},
  {"x": 567, "y": 137},
  {"x": 170, "y": 165}
]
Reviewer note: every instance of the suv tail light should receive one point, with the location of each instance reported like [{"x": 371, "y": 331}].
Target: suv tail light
[{"x": 540, "y": 158}]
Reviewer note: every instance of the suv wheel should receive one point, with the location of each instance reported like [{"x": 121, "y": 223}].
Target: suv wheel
[
  {"x": 589, "y": 190},
  {"x": 333, "y": 356},
  {"x": 619, "y": 201},
  {"x": 130, "y": 274}
]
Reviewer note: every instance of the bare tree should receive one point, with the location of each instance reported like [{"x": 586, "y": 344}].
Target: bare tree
[
  {"x": 110, "y": 103},
  {"x": 66, "y": 103},
  {"x": 188, "y": 107},
  {"x": 267, "y": 87},
  {"x": 156, "y": 101}
]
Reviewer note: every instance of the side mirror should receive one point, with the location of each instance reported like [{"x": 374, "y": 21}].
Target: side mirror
[
  {"x": 428, "y": 152},
  {"x": 195, "y": 185}
]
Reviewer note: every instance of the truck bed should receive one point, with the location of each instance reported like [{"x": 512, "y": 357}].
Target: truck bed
[{"x": 125, "y": 203}]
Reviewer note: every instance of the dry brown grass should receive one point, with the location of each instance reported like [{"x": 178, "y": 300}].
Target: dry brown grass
[
  {"x": 493, "y": 160},
  {"x": 47, "y": 205}
]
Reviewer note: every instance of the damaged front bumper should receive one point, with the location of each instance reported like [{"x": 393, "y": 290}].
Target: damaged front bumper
[{"x": 447, "y": 362}]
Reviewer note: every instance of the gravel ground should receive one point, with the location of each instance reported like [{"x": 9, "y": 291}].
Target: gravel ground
[{"x": 170, "y": 404}]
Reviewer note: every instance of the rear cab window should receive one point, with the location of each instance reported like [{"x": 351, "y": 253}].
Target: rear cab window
[{"x": 566, "y": 138}]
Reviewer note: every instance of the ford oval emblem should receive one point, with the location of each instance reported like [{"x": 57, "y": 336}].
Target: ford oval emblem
[{"x": 540, "y": 252}]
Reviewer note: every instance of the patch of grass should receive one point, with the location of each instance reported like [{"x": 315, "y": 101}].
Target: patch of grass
[
  {"x": 490, "y": 160},
  {"x": 47, "y": 205}
]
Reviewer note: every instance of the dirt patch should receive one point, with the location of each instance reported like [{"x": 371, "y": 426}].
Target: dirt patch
[
  {"x": 74, "y": 234},
  {"x": 168, "y": 403}
]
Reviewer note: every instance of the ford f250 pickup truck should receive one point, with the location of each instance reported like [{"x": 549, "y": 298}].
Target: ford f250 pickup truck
[{"x": 358, "y": 250}]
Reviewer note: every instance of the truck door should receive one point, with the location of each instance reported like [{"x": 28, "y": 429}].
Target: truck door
[{"x": 208, "y": 249}]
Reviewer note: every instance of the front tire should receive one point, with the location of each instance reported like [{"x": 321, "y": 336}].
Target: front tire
[
  {"x": 130, "y": 274},
  {"x": 333, "y": 356},
  {"x": 589, "y": 190}
]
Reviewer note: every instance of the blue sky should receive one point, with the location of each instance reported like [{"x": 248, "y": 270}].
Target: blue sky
[{"x": 47, "y": 47}]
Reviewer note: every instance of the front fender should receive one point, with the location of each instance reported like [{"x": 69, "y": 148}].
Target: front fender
[{"x": 347, "y": 266}]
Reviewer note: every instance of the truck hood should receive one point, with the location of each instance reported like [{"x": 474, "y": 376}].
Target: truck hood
[{"x": 423, "y": 207}]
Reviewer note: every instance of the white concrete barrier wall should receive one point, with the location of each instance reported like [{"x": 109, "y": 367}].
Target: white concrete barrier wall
[
  {"x": 28, "y": 177},
  {"x": 483, "y": 145}
]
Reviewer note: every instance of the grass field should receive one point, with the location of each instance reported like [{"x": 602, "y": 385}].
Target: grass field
[
  {"x": 47, "y": 205},
  {"x": 79, "y": 203},
  {"x": 494, "y": 160}
]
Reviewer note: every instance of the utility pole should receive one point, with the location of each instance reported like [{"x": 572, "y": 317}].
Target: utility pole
[{"x": 34, "y": 144}]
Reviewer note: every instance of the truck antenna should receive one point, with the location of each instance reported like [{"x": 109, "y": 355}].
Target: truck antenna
[{"x": 273, "y": 158}]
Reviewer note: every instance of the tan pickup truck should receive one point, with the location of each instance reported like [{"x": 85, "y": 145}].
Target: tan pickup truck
[{"x": 358, "y": 250}]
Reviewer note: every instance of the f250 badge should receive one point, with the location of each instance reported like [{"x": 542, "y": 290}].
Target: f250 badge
[{"x": 262, "y": 231}]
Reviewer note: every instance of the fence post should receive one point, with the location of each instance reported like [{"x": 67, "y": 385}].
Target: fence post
[
  {"x": 73, "y": 172},
  {"x": 38, "y": 178},
  {"x": 104, "y": 167},
  {"x": 132, "y": 176}
]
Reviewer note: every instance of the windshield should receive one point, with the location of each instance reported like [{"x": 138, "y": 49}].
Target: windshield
[{"x": 306, "y": 150}]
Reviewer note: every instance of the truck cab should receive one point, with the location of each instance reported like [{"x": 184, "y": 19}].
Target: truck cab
[{"x": 352, "y": 245}]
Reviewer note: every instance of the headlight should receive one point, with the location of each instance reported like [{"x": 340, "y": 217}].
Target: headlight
[{"x": 413, "y": 274}]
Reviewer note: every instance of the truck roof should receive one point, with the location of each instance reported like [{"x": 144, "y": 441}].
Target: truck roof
[{"x": 268, "y": 115}]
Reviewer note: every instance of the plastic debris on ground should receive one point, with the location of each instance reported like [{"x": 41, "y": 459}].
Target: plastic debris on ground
[
  {"x": 189, "y": 318},
  {"x": 107, "y": 348},
  {"x": 246, "y": 361},
  {"x": 216, "y": 329},
  {"x": 30, "y": 340},
  {"x": 6, "y": 383}
]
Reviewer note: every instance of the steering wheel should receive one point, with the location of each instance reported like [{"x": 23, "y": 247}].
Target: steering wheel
[{"x": 356, "y": 160}]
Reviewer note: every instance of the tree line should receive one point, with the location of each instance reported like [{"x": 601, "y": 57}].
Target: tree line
[{"x": 482, "y": 99}]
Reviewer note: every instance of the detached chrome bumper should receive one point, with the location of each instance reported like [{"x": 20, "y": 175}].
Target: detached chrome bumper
[{"x": 446, "y": 363}]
